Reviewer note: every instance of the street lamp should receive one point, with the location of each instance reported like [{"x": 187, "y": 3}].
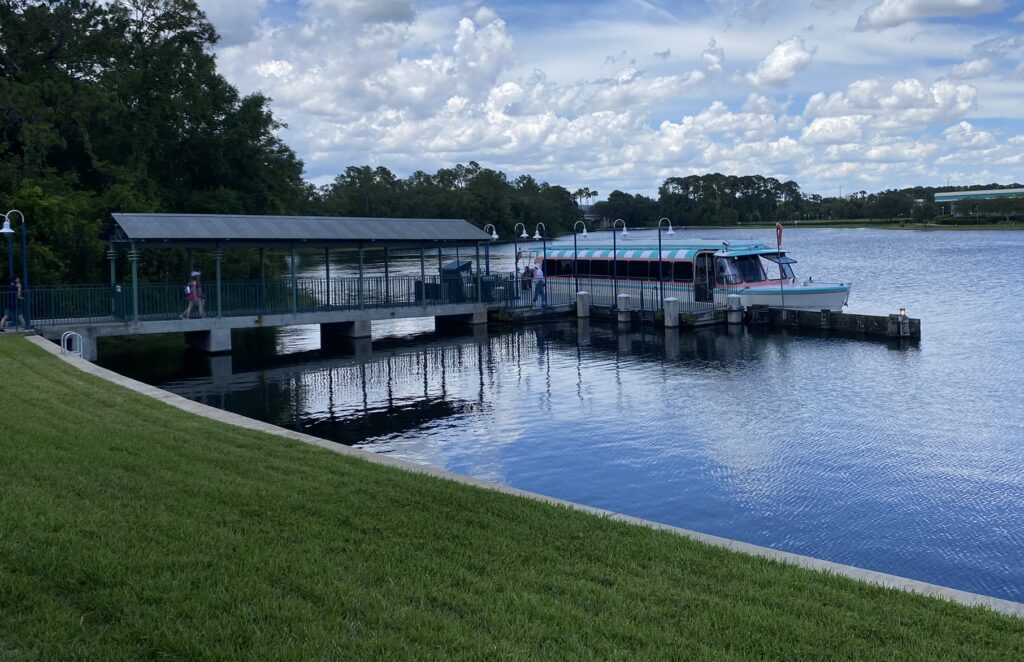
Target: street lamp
[
  {"x": 575, "y": 253},
  {"x": 6, "y": 230},
  {"x": 544, "y": 245},
  {"x": 487, "y": 249},
  {"x": 515, "y": 243},
  {"x": 615, "y": 257},
  {"x": 24, "y": 262},
  {"x": 661, "y": 275}
]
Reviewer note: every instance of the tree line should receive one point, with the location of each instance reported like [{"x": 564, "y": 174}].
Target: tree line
[
  {"x": 716, "y": 199},
  {"x": 117, "y": 105}
]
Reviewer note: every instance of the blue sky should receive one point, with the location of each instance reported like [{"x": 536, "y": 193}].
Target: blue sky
[{"x": 867, "y": 95}]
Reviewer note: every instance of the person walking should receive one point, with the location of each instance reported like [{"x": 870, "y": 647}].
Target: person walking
[
  {"x": 539, "y": 286},
  {"x": 194, "y": 292},
  {"x": 12, "y": 304}
]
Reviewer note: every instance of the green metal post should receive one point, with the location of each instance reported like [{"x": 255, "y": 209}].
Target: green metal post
[
  {"x": 133, "y": 256},
  {"x": 295, "y": 285},
  {"x": 112, "y": 256},
  {"x": 263, "y": 281},
  {"x": 327, "y": 275},
  {"x": 217, "y": 255},
  {"x": 360, "y": 275},
  {"x": 387, "y": 277},
  {"x": 423, "y": 275}
]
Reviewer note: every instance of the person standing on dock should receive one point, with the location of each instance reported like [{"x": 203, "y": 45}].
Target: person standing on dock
[
  {"x": 194, "y": 292},
  {"x": 539, "y": 286},
  {"x": 12, "y": 304}
]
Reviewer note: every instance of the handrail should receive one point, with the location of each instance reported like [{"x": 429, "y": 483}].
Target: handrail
[{"x": 71, "y": 343}]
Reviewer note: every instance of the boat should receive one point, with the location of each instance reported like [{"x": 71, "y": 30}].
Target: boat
[{"x": 698, "y": 271}]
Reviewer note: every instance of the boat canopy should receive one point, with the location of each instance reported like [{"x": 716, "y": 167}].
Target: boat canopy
[
  {"x": 622, "y": 253},
  {"x": 767, "y": 253}
]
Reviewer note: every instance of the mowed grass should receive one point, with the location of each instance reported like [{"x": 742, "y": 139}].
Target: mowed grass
[{"x": 130, "y": 529}]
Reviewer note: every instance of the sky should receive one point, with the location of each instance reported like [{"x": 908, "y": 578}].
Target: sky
[{"x": 838, "y": 95}]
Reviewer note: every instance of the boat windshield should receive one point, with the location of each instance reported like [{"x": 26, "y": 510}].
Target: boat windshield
[{"x": 779, "y": 264}]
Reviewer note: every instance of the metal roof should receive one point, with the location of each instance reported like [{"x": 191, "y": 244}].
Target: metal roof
[
  {"x": 953, "y": 196},
  {"x": 266, "y": 230}
]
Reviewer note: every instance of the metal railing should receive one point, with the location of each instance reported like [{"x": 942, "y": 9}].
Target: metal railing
[{"x": 76, "y": 304}]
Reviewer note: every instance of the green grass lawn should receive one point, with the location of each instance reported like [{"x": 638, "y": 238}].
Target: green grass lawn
[{"x": 130, "y": 529}]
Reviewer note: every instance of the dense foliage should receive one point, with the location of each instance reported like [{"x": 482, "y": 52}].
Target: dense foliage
[{"x": 119, "y": 107}]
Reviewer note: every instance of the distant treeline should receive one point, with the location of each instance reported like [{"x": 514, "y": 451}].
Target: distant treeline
[
  {"x": 716, "y": 199},
  {"x": 118, "y": 106}
]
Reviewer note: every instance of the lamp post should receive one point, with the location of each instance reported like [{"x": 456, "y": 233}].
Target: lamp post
[
  {"x": 661, "y": 275},
  {"x": 24, "y": 262},
  {"x": 6, "y": 230},
  {"x": 487, "y": 248},
  {"x": 615, "y": 257},
  {"x": 575, "y": 253},
  {"x": 515, "y": 244},
  {"x": 544, "y": 243}
]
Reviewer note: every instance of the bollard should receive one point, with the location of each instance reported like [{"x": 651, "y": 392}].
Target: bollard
[
  {"x": 671, "y": 308},
  {"x": 624, "y": 310},
  {"x": 734, "y": 308},
  {"x": 583, "y": 305}
]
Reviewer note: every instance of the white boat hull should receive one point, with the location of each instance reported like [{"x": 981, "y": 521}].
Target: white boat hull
[{"x": 830, "y": 296}]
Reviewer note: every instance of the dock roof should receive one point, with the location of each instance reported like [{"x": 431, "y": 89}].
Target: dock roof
[{"x": 207, "y": 229}]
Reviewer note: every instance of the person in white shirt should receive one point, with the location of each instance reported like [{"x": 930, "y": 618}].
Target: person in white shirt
[{"x": 539, "y": 286}]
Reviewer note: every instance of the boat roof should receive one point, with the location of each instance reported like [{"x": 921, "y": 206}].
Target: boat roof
[{"x": 646, "y": 249}]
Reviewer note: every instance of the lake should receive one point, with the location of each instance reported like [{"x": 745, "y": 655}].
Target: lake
[{"x": 903, "y": 457}]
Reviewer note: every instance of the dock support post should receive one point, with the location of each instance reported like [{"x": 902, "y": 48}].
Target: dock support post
[
  {"x": 583, "y": 304},
  {"x": 623, "y": 308},
  {"x": 214, "y": 341},
  {"x": 826, "y": 318},
  {"x": 734, "y": 309},
  {"x": 335, "y": 334},
  {"x": 671, "y": 309}
]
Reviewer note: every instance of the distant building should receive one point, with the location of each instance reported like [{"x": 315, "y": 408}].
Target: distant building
[{"x": 952, "y": 197}]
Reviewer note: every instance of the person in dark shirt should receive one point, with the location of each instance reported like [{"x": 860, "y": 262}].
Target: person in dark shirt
[{"x": 12, "y": 304}]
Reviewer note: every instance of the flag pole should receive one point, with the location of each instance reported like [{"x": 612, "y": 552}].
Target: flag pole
[{"x": 778, "y": 247}]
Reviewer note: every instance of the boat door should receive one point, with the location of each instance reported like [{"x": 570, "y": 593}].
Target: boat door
[{"x": 704, "y": 278}]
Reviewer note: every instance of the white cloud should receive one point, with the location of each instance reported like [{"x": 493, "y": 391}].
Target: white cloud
[
  {"x": 972, "y": 69},
  {"x": 832, "y": 130},
  {"x": 890, "y": 13},
  {"x": 785, "y": 61},
  {"x": 965, "y": 136},
  {"x": 413, "y": 88},
  {"x": 713, "y": 57}
]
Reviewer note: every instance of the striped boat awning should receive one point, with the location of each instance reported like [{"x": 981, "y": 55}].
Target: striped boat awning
[{"x": 622, "y": 254}]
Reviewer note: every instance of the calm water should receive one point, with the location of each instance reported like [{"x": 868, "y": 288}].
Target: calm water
[{"x": 906, "y": 458}]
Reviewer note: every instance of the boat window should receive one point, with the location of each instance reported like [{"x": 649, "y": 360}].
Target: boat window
[
  {"x": 749, "y": 268},
  {"x": 726, "y": 272},
  {"x": 583, "y": 267},
  {"x": 682, "y": 271},
  {"x": 637, "y": 269},
  {"x": 599, "y": 267}
]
